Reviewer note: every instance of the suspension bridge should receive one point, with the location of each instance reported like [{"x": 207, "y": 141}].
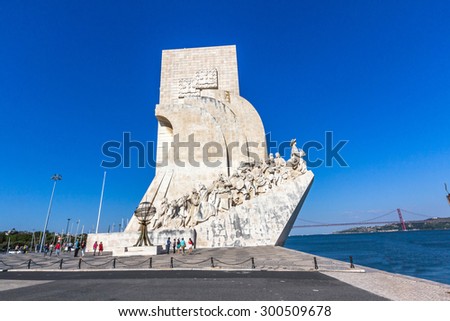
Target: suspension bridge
[{"x": 381, "y": 219}]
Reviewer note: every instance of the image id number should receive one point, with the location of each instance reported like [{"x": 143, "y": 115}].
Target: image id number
[{"x": 288, "y": 310}]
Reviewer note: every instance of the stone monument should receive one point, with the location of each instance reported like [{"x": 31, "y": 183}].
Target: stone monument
[{"x": 214, "y": 181}]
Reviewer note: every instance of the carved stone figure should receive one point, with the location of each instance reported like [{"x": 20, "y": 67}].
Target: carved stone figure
[
  {"x": 193, "y": 207},
  {"x": 249, "y": 186},
  {"x": 161, "y": 218},
  {"x": 279, "y": 161},
  {"x": 271, "y": 160},
  {"x": 182, "y": 205},
  {"x": 262, "y": 184},
  {"x": 206, "y": 209},
  {"x": 257, "y": 170},
  {"x": 223, "y": 194},
  {"x": 296, "y": 161},
  {"x": 172, "y": 215},
  {"x": 238, "y": 189},
  {"x": 173, "y": 210},
  {"x": 270, "y": 176}
]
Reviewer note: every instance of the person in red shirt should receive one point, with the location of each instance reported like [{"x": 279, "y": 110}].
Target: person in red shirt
[
  {"x": 190, "y": 245},
  {"x": 100, "y": 249},
  {"x": 94, "y": 247},
  {"x": 58, "y": 248}
]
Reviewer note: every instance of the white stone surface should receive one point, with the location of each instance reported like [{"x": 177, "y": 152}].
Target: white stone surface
[
  {"x": 137, "y": 250},
  {"x": 186, "y": 64}
]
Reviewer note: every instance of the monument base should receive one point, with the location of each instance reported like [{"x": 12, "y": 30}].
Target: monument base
[
  {"x": 137, "y": 250},
  {"x": 118, "y": 242}
]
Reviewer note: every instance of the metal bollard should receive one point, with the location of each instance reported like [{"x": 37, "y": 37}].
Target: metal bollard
[
  {"x": 212, "y": 262},
  {"x": 352, "y": 266},
  {"x": 79, "y": 264},
  {"x": 316, "y": 266},
  {"x": 171, "y": 262},
  {"x": 29, "y": 264},
  {"x": 150, "y": 263},
  {"x": 60, "y": 264},
  {"x": 253, "y": 263},
  {"x": 114, "y": 263}
]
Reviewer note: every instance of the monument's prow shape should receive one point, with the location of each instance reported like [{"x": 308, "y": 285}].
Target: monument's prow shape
[
  {"x": 214, "y": 180},
  {"x": 199, "y": 105}
]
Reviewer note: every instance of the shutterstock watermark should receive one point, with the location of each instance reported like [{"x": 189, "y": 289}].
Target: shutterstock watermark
[{"x": 129, "y": 153}]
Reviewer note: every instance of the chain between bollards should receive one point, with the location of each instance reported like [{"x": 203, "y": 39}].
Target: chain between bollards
[
  {"x": 212, "y": 262},
  {"x": 253, "y": 263},
  {"x": 352, "y": 266},
  {"x": 315, "y": 264},
  {"x": 60, "y": 264}
]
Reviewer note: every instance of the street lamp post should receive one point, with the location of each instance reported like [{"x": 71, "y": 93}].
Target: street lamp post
[
  {"x": 101, "y": 202},
  {"x": 67, "y": 230},
  {"x": 76, "y": 232},
  {"x": 54, "y": 178},
  {"x": 448, "y": 194}
]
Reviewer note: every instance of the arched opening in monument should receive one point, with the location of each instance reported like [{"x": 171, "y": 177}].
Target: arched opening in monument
[
  {"x": 164, "y": 155},
  {"x": 165, "y": 123}
]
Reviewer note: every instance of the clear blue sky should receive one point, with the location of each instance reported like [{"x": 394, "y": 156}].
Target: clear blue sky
[{"x": 75, "y": 74}]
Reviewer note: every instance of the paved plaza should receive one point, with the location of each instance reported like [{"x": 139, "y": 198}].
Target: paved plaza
[{"x": 253, "y": 273}]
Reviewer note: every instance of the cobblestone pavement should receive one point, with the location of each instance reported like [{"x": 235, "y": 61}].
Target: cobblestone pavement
[
  {"x": 395, "y": 287},
  {"x": 391, "y": 286}
]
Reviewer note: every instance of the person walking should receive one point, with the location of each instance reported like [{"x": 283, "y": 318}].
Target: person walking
[
  {"x": 174, "y": 245},
  {"x": 83, "y": 248},
  {"x": 182, "y": 245},
  {"x": 77, "y": 248},
  {"x": 168, "y": 245},
  {"x": 178, "y": 246},
  {"x": 58, "y": 248},
  {"x": 190, "y": 245},
  {"x": 94, "y": 247},
  {"x": 100, "y": 248}
]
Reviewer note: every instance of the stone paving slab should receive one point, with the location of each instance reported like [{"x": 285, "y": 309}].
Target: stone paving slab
[
  {"x": 265, "y": 258},
  {"x": 395, "y": 287},
  {"x": 16, "y": 284}
]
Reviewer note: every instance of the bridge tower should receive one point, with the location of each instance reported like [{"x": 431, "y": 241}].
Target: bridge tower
[
  {"x": 402, "y": 222},
  {"x": 448, "y": 194}
]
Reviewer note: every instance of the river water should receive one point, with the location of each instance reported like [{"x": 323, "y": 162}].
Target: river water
[{"x": 422, "y": 254}]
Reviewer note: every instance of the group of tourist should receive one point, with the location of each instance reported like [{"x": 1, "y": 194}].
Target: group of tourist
[
  {"x": 21, "y": 248},
  {"x": 58, "y": 247},
  {"x": 99, "y": 247},
  {"x": 80, "y": 245},
  {"x": 179, "y": 246}
]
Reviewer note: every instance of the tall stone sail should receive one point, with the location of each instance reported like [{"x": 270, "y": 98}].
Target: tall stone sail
[{"x": 214, "y": 180}]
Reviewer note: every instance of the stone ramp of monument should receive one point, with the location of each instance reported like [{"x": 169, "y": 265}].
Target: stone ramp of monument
[
  {"x": 156, "y": 191},
  {"x": 265, "y": 220}
]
